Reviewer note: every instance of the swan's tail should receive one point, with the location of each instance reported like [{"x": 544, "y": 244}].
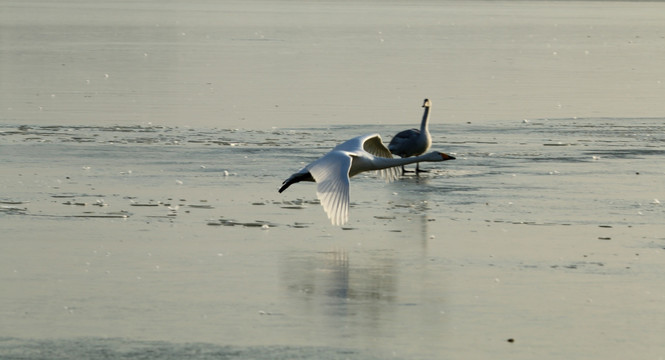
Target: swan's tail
[{"x": 297, "y": 177}]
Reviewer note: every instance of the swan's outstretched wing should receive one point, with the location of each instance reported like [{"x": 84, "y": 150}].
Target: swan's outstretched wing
[
  {"x": 331, "y": 173},
  {"x": 370, "y": 143},
  {"x": 374, "y": 145}
]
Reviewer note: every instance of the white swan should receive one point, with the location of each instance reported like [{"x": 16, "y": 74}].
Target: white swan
[
  {"x": 413, "y": 142},
  {"x": 333, "y": 170}
]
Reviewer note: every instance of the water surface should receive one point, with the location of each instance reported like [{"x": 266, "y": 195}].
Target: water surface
[{"x": 142, "y": 145}]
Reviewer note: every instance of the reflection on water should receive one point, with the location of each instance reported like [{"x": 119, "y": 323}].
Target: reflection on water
[
  {"x": 342, "y": 285},
  {"x": 415, "y": 204},
  {"x": 335, "y": 275}
]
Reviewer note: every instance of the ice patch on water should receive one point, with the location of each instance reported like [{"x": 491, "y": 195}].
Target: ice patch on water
[{"x": 125, "y": 349}]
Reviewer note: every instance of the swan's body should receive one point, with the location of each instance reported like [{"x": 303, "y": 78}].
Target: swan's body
[
  {"x": 333, "y": 170},
  {"x": 413, "y": 142}
]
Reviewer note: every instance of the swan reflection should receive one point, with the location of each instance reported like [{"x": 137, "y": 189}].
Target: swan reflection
[{"x": 336, "y": 274}]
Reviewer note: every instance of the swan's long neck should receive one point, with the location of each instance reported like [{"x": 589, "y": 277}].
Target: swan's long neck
[
  {"x": 369, "y": 163},
  {"x": 384, "y": 163},
  {"x": 424, "y": 125}
]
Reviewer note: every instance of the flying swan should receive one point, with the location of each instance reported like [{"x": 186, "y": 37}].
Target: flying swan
[{"x": 333, "y": 170}]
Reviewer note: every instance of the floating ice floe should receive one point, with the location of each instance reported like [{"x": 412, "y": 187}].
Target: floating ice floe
[
  {"x": 201, "y": 206},
  {"x": 13, "y": 202},
  {"x": 150, "y": 203},
  {"x": 264, "y": 225},
  {"x": 100, "y": 203},
  {"x": 12, "y": 209}
]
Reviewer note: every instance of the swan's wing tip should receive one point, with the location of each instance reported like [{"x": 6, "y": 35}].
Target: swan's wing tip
[
  {"x": 390, "y": 174},
  {"x": 332, "y": 178},
  {"x": 336, "y": 205}
]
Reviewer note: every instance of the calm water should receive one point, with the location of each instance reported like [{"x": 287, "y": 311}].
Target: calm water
[{"x": 142, "y": 145}]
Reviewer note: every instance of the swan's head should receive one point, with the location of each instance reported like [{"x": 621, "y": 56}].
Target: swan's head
[
  {"x": 427, "y": 103},
  {"x": 439, "y": 156}
]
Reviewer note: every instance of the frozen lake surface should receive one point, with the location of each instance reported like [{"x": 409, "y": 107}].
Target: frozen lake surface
[{"x": 142, "y": 146}]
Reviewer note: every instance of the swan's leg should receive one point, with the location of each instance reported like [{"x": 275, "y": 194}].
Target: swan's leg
[{"x": 418, "y": 169}]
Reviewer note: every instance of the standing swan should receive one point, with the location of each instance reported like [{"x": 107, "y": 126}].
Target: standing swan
[
  {"x": 413, "y": 142},
  {"x": 333, "y": 170}
]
